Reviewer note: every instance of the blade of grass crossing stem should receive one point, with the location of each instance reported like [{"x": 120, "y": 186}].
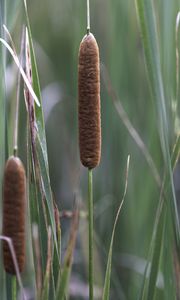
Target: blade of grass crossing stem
[
  {"x": 147, "y": 20},
  {"x": 41, "y": 136},
  {"x": 2, "y": 132},
  {"x": 106, "y": 289},
  {"x": 64, "y": 276}
]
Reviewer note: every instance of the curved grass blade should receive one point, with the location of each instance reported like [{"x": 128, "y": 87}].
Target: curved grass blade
[
  {"x": 16, "y": 60},
  {"x": 106, "y": 289}
]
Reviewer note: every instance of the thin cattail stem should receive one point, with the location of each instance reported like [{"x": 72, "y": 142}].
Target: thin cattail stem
[
  {"x": 88, "y": 17},
  {"x": 90, "y": 210},
  {"x": 15, "y": 143}
]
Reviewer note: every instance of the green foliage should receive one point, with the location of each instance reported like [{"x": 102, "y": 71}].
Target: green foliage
[{"x": 140, "y": 117}]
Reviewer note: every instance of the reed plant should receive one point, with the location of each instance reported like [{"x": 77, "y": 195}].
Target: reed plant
[{"x": 115, "y": 234}]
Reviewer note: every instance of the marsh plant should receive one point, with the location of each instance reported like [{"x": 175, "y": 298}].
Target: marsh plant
[{"x": 89, "y": 159}]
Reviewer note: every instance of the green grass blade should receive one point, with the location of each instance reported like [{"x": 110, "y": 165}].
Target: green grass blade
[
  {"x": 36, "y": 211},
  {"x": 156, "y": 257},
  {"x": 147, "y": 20},
  {"x": 149, "y": 280},
  {"x": 106, "y": 289},
  {"x": 64, "y": 275},
  {"x": 175, "y": 153},
  {"x": 41, "y": 138},
  {"x": 148, "y": 28},
  {"x": 47, "y": 191},
  {"x": 46, "y": 284}
]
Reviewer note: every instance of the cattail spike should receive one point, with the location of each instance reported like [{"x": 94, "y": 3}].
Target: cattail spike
[
  {"x": 89, "y": 102},
  {"x": 14, "y": 205}
]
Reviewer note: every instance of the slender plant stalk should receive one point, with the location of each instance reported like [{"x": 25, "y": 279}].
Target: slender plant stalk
[
  {"x": 90, "y": 209},
  {"x": 14, "y": 288},
  {"x": 88, "y": 17}
]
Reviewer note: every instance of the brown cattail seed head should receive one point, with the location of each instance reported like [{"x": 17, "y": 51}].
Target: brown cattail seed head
[
  {"x": 89, "y": 102},
  {"x": 14, "y": 204}
]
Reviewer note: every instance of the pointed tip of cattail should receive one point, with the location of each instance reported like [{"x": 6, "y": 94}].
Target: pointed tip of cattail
[
  {"x": 89, "y": 102},
  {"x": 14, "y": 202},
  {"x": 89, "y": 36}
]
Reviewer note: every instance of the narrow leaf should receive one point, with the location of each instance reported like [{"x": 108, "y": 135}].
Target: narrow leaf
[
  {"x": 40, "y": 140},
  {"x": 64, "y": 276},
  {"x": 106, "y": 289},
  {"x": 45, "y": 290}
]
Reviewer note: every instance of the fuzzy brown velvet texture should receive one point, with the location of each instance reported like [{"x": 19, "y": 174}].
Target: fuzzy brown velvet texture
[
  {"x": 89, "y": 102},
  {"x": 14, "y": 205}
]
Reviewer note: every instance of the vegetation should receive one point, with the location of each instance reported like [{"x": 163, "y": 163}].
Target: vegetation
[{"x": 136, "y": 185}]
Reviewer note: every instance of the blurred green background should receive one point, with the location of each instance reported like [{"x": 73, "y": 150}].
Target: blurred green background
[{"x": 58, "y": 27}]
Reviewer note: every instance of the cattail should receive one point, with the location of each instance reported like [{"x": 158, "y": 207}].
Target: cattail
[
  {"x": 89, "y": 102},
  {"x": 14, "y": 204}
]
